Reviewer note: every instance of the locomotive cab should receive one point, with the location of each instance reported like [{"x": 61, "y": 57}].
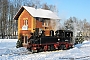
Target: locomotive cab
[
  {"x": 65, "y": 38},
  {"x": 64, "y": 35}
]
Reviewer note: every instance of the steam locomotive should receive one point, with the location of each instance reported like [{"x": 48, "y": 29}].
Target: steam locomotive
[{"x": 60, "y": 39}]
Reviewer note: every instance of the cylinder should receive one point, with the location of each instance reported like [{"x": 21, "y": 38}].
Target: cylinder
[{"x": 51, "y": 33}]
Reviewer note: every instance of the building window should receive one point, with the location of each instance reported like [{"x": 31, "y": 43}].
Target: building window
[
  {"x": 25, "y": 39},
  {"x": 25, "y": 24},
  {"x": 46, "y": 23}
]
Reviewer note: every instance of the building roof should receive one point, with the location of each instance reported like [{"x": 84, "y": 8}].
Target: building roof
[{"x": 37, "y": 13}]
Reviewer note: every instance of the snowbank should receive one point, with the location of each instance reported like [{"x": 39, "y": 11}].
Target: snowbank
[
  {"x": 9, "y": 52},
  {"x": 8, "y": 47},
  {"x": 7, "y": 43},
  {"x": 85, "y": 43},
  {"x": 8, "y": 40}
]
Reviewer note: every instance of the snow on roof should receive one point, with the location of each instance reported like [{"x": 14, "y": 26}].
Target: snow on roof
[
  {"x": 38, "y": 13},
  {"x": 31, "y": 10},
  {"x": 46, "y": 14}
]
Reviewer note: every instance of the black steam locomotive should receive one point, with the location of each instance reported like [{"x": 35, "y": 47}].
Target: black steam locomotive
[{"x": 62, "y": 39}]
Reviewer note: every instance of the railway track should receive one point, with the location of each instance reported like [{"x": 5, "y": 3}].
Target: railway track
[
  {"x": 10, "y": 52},
  {"x": 14, "y": 51},
  {"x": 47, "y": 52},
  {"x": 19, "y": 53},
  {"x": 78, "y": 58},
  {"x": 23, "y": 51},
  {"x": 15, "y": 54}
]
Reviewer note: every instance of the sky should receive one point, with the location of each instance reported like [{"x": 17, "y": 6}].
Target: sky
[{"x": 72, "y": 8}]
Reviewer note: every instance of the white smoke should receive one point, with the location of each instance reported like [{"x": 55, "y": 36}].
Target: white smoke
[{"x": 55, "y": 24}]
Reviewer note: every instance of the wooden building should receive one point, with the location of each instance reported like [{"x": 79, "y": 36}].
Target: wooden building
[{"x": 30, "y": 18}]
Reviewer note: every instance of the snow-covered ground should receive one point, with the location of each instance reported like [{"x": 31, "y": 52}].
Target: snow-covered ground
[{"x": 8, "y": 51}]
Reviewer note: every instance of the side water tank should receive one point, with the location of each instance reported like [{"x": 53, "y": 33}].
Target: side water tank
[{"x": 51, "y": 33}]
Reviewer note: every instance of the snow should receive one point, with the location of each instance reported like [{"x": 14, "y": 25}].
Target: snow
[
  {"x": 8, "y": 51},
  {"x": 39, "y": 13},
  {"x": 7, "y": 43}
]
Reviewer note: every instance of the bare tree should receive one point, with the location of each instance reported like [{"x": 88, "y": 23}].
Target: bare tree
[
  {"x": 3, "y": 19},
  {"x": 8, "y": 9}
]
